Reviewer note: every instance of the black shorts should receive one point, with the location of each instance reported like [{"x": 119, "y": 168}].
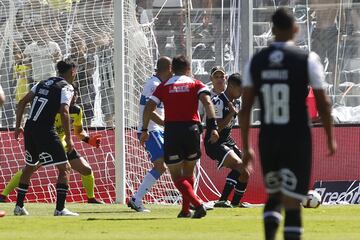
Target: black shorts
[
  {"x": 219, "y": 152},
  {"x": 43, "y": 147},
  {"x": 181, "y": 142},
  {"x": 286, "y": 164},
  {"x": 73, "y": 155}
]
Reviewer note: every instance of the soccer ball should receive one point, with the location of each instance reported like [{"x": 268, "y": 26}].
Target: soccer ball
[{"x": 312, "y": 200}]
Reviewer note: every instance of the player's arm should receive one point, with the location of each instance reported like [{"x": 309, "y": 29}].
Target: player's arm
[
  {"x": 20, "y": 111},
  {"x": 211, "y": 123},
  {"x": 66, "y": 97},
  {"x": 317, "y": 79},
  {"x": 148, "y": 112},
  {"x": 248, "y": 98},
  {"x": 156, "y": 118},
  {"x": 93, "y": 140}
]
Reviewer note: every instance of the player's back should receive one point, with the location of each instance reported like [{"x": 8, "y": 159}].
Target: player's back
[
  {"x": 180, "y": 97},
  {"x": 47, "y": 101},
  {"x": 149, "y": 88},
  {"x": 280, "y": 77}
]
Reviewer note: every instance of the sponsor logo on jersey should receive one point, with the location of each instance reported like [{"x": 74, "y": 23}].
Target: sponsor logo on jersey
[{"x": 179, "y": 88}]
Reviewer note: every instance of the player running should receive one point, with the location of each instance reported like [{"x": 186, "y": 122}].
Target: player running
[
  {"x": 180, "y": 95},
  {"x": 225, "y": 151},
  {"x": 77, "y": 162},
  {"x": 42, "y": 144},
  {"x": 155, "y": 145},
  {"x": 279, "y": 75}
]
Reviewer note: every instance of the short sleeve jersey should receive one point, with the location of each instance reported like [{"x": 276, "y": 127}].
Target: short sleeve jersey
[
  {"x": 149, "y": 88},
  {"x": 221, "y": 111},
  {"x": 76, "y": 114},
  {"x": 180, "y": 96},
  {"x": 280, "y": 75},
  {"x": 49, "y": 95}
]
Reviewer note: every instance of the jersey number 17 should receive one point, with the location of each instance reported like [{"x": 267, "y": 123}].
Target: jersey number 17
[{"x": 38, "y": 104}]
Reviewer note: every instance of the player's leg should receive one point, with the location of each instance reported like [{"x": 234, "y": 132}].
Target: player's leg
[
  {"x": 32, "y": 160},
  {"x": 242, "y": 182},
  {"x": 270, "y": 170},
  {"x": 155, "y": 147},
  {"x": 233, "y": 161},
  {"x": 295, "y": 175},
  {"x": 272, "y": 215},
  {"x": 12, "y": 184},
  {"x": 22, "y": 189},
  {"x": 188, "y": 172},
  {"x": 80, "y": 165},
  {"x": 62, "y": 188}
]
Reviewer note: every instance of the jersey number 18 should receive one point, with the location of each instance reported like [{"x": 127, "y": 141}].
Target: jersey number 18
[{"x": 276, "y": 103}]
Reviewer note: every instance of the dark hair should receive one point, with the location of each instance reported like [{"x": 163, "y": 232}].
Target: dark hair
[
  {"x": 235, "y": 79},
  {"x": 180, "y": 64},
  {"x": 283, "y": 19},
  {"x": 65, "y": 65}
]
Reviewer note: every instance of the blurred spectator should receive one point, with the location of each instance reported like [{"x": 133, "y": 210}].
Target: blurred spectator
[
  {"x": 83, "y": 82},
  {"x": 105, "y": 51},
  {"x": 42, "y": 54},
  {"x": 171, "y": 18},
  {"x": 324, "y": 37},
  {"x": 141, "y": 14}
]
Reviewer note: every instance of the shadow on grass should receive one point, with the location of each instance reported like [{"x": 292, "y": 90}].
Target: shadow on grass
[
  {"x": 92, "y": 212},
  {"x": 123, "y": 219}
]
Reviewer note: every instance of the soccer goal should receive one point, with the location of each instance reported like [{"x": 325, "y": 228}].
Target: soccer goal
[{"x": 36, "y": 34}]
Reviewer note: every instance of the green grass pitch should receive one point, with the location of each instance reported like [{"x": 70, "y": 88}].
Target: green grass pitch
[{"x": 119, "y": 222}]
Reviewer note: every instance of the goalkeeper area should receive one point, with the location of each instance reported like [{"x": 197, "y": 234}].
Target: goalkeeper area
[{"x": 118, "y": 222}]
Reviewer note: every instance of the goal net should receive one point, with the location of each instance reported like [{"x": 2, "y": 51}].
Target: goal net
[{"x": 33, "y": 36}]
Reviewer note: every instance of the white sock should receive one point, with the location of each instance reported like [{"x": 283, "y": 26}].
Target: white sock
[{"x": 149, "y": 180}]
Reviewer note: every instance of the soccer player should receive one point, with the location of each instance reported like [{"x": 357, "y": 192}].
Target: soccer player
[
  {"x": 279, "y": 75},
  {"x": 77, "y": 162},
  {"x": 225, "y": 151},
  {"x": 155, "y": 144},
  {"x": 180, "y": 95},
  {"x": 42, "y": 144}
]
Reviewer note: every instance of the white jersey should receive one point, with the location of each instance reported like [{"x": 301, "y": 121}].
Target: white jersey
[
  {"x": 43, "y": 66},
  {"x": 149, "y": 87}
]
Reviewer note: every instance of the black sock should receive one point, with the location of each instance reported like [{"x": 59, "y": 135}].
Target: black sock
[
  {"x": 231, "y": 181},
  {"x": 21, "y": 192},
  {"x": 61, "y": 191},
  {"x": 272, "y": 217},
  {"x": 239, "y": 192},
  {"x": 293, "y": 228}
]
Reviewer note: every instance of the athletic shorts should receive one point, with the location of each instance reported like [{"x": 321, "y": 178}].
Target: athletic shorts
[
  {"x": 182, "y": 142},
  {"x": 219, "y": 152},
  {"x": 43, "y": 147},
  {"x": 73, "y": 155},
  {"x": 286, "y": 164},
  {"x": 155, "y": 145}
]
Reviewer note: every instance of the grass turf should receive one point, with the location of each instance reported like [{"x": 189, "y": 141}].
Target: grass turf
[{"x": 119, "y": 222}]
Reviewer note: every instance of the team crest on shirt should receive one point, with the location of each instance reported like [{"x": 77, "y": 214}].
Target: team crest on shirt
[{"x": 276, "y": 58}]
